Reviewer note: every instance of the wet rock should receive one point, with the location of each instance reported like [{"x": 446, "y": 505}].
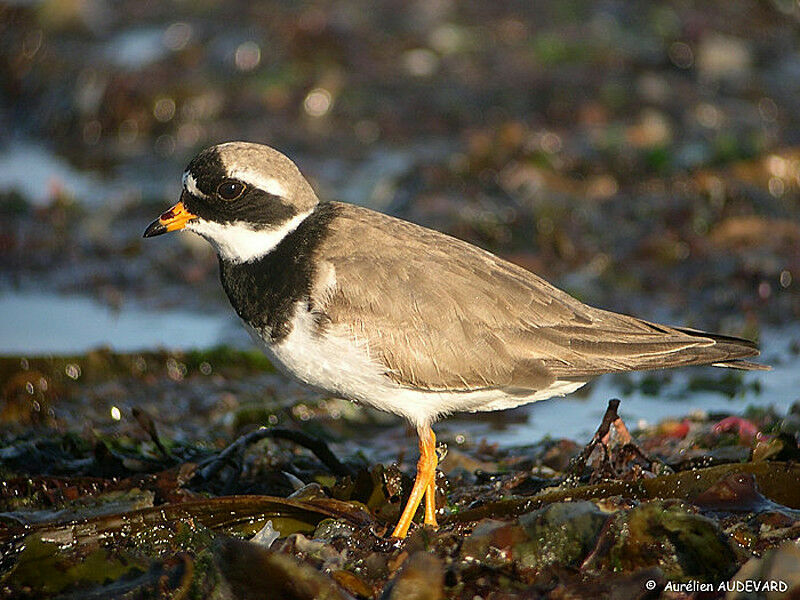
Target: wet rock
[
  {"x": 615, "y": 586},
  {"x": 421, "y": 578},
  {"x": 491, "y": 542},
  {"x": 562, "y": 533},
  {"x": 559, "y": 455},
  {"x": 777, "y": 522},
  {"x": 353, "y": 584},
  {"x": 777, "y": 574},
  {"x": 525, "y": 484},
  {"x": 664, "y": 534},
  {"x": 735, "y": 492},
  {"x": 456, "y": 459},
  {"x": 375, "y": 565},
  {"x": 252, "y": 571}
]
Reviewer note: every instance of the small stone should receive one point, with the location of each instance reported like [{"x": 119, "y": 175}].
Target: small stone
[
  {"x": 666, "y": 534},
  {"x": 562, "y": 533},
  {"x": 422, "y": 578},
  {"x": 779, "y": 568}
]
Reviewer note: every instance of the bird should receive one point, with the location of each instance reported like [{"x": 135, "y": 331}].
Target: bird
[{"x": 393, "y": 315}]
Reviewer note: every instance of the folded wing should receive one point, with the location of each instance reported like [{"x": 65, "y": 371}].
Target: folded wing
[{"x": 441, "y": 314}]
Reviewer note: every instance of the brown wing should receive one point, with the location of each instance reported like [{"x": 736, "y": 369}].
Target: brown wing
[{"x": 443, "y": 314}]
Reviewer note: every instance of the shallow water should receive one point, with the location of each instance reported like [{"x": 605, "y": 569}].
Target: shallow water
[
  {"x": 38, "y": 323},
  {"x": 36, "y": 172}
]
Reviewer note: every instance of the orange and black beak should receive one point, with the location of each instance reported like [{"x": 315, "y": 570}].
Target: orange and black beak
[{"x": 172, "y": 220}]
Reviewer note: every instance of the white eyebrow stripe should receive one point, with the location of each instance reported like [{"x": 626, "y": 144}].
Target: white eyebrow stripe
[
  {"x": 258, "y": 180},
  {"x": 191, "y": 185}
]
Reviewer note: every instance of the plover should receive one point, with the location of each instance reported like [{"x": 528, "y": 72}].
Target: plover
[{"x": 393, "y": 315}]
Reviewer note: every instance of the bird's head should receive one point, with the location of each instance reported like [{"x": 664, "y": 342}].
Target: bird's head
[{"x": 242, "y": 197}]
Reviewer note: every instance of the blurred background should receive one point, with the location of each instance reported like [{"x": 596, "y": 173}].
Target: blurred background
[{"x": 644, "y": 157}]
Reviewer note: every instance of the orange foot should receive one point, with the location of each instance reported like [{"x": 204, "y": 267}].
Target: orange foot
[{"x": 424, "y": 484}]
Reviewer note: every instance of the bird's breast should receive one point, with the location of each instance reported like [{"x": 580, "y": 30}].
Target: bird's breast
[{"x": 328, "y": 359}]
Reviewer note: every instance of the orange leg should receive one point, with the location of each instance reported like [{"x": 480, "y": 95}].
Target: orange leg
[
  {"x": 424, "y": 484},
  {"x": 430, "y": 502}
]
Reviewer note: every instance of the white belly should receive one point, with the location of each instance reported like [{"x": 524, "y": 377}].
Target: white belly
[{"x": 340, "y": 365}]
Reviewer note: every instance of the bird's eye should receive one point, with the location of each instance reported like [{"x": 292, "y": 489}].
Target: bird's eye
[{"x": 230, "y": 189}]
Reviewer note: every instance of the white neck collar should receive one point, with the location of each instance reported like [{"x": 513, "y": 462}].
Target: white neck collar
[{"x": 238, "y": 242}]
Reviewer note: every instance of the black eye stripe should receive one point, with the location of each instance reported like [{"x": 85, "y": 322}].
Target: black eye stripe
[{"x": 230, "y": 189}]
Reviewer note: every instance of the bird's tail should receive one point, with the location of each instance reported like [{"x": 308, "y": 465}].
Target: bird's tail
[{"x": 732, "y": 350}]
